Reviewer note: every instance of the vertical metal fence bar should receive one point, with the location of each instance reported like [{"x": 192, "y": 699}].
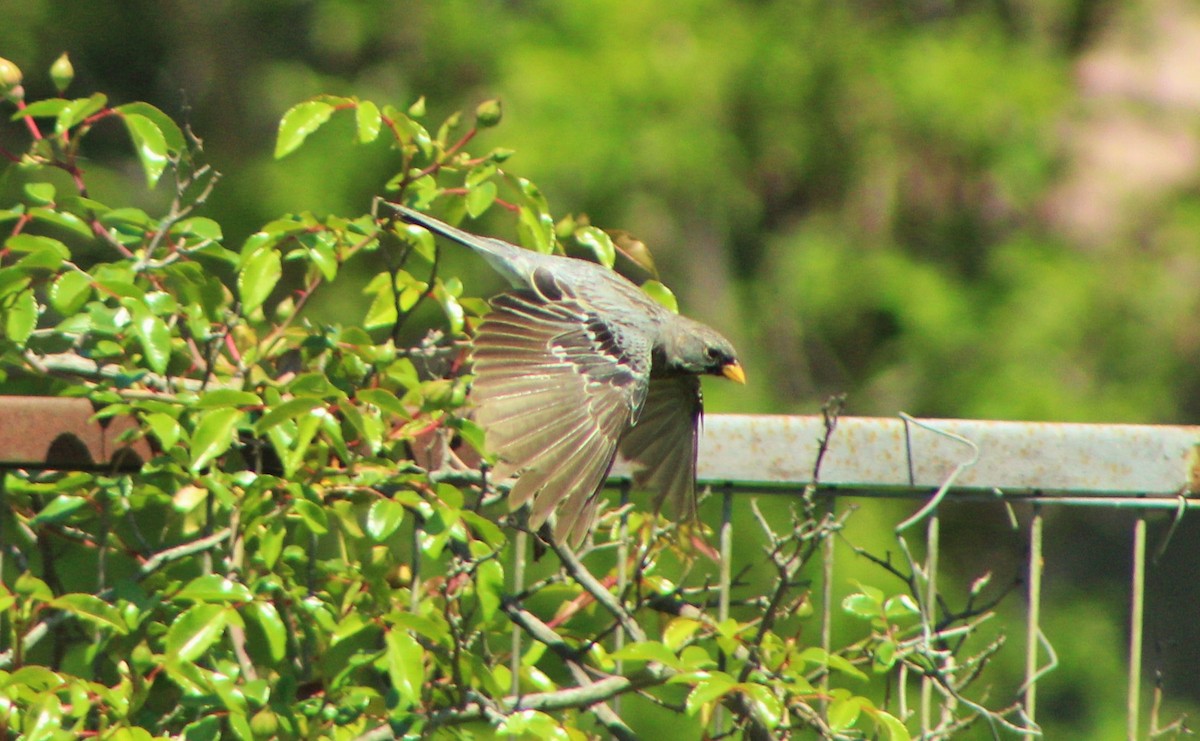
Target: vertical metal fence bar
[
  {"x": 622, "y": 580},
  {"x": 520, "y": 546},
  {"x": 1137, "y": 605},
  {"x": 726, "y": 577},
  {"x": 725, "y": 581},
  {"x": 827, "y": 552},
  {"x": 1034, "y": 614},
  {"x": 932, "y": 547}
]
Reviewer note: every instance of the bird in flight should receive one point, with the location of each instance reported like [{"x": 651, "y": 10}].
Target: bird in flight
[{"x": 577, "y": 365}]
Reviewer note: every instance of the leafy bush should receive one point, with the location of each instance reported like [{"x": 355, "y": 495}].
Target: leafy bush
[{"x": 311, "y": 551}]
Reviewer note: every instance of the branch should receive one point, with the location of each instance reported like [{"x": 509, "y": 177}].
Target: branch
[{"x": 580, "y": 574}]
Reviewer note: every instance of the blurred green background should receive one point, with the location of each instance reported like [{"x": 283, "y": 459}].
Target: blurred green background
[{"x": 970, "y": 209}]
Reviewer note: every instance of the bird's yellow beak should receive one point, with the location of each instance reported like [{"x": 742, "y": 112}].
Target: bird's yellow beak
[{"x": 733, "y": 371}]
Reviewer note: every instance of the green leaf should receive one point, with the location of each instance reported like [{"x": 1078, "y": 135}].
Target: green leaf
[
  {"x": 384, "y": 399},
  {"x": 599, "y": 243},
  {"x": 313, "y": 516},
  {"x": 193, "y": 632},
  {"x": 405, "y": 662},
  {"x": 20, "y": 316},
  {"x": 893, "y": 728},
  {"x": 227, "y": 398},
  {"x": 258, "y": 276},
  {"x": 711, "y": 686},
  {"x": 419, "y": 238},
  {"x": 32, "y": 587},
  {"x": 646, "y": 651},
  {"x": 862, "y": 605},
  {"x": 883, "y": 658},
  {"x": 63, "y": 220},
  {"x": 764, "y": 704},
  {"x": 214, "y": 588},
  {"x": 268, "y": 619},
  {"x": 480, "y": 198},
  {"x": 367, "y": 121},
  {"x": 383, "y": 518},
  {"x": 484, "y": 528},
  {"x": 300, "y": 120},
  {"x": 450, "y": 306},
  {"x": 820, "y": 657},
  {"x": 40, "y": 194},
  {"x": 199, "y": 227},
  {"x": 171, "y": 132},
  {"x": 150, "y": 145},
  {"x": 289, "y": 409},
  {"x": 679, "y": 631},
  {"x": 900, "y": 606},
  {"x": 69, "y": 292},
  {"x": 662, "y": 295},
  {"x": 843, "y": 713},
  {"x": 28, "y": 243},
  {"x": 48, "y": 108},
  {"x": 164, "y": 427},
  {"x": 75, "y": 111},
  {"x": 489, "y": 586},
  {"x": 92, "y": 609},
  {"x": 152, "y": 333},
  {"x": 213, "y": 436},
  {"x": 59, "y": 509}
]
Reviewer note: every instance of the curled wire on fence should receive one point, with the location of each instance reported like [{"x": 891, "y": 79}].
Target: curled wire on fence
[{"x": 949, "y": 482}]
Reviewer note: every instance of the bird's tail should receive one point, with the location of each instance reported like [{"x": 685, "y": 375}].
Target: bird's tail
[{"x": 505, "y": 258}]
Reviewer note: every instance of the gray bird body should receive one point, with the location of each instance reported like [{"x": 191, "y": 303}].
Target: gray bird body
[{"x": 576, "y": 365}]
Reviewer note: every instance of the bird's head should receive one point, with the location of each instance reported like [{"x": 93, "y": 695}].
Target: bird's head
[{"x": 697, "y": 349}]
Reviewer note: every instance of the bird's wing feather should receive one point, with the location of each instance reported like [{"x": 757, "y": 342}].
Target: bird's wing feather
[
  {"x": 554, "y": 390},
  {"x": 662, "y": 445}
]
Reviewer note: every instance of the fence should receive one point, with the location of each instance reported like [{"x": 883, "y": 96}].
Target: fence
[
  {"x": 1132, "y": 467},
  {"x": 1129, "y": 467}
]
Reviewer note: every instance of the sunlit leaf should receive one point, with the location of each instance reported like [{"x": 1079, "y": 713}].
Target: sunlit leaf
[
  {"x": 598, "y": 242},
  {"x": 313, "y": 516},
  {"x": 367, "y": 120},
  {"x": 383, "y": 518},
  {"x": 60, "y": 508},
  {"x": 214, "y": 588},
  {"x": 20, "y": 316},
  {"x": 258, "y": 276},
  {"x": 150, "y": 145},
  {"x": 92, "y": 609},
  {"x": 69, "y": 292},
  {"x": 489, "y": 586},
  {"x": 152, "y": 333},
  {"x": 405, "y": 663},
  {"x": 662, "y": 295},
  {"x": 298, "y": 122},
  {"x": 194, "y": 631},
  {"x": 480, "y": 198},
  {"x": 213, "y": 436},
  {"x": 272, "y": 625}
]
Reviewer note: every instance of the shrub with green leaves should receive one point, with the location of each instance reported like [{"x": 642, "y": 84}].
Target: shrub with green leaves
[{"x": 312, "y": 551}]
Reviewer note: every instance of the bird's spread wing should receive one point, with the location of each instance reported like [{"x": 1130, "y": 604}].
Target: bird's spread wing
[
  {"x": 555, "y": 388},
  {"x": 662, "y": 445}
]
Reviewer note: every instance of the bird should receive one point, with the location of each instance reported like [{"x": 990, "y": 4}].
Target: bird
[{"x": 576, "y": 365}]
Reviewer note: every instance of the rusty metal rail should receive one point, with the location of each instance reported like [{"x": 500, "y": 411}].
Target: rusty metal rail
[{"x": 60, "y": 433}]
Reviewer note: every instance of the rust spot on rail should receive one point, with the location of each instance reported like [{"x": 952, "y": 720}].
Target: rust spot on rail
[{"x": 51, "y": 432}]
